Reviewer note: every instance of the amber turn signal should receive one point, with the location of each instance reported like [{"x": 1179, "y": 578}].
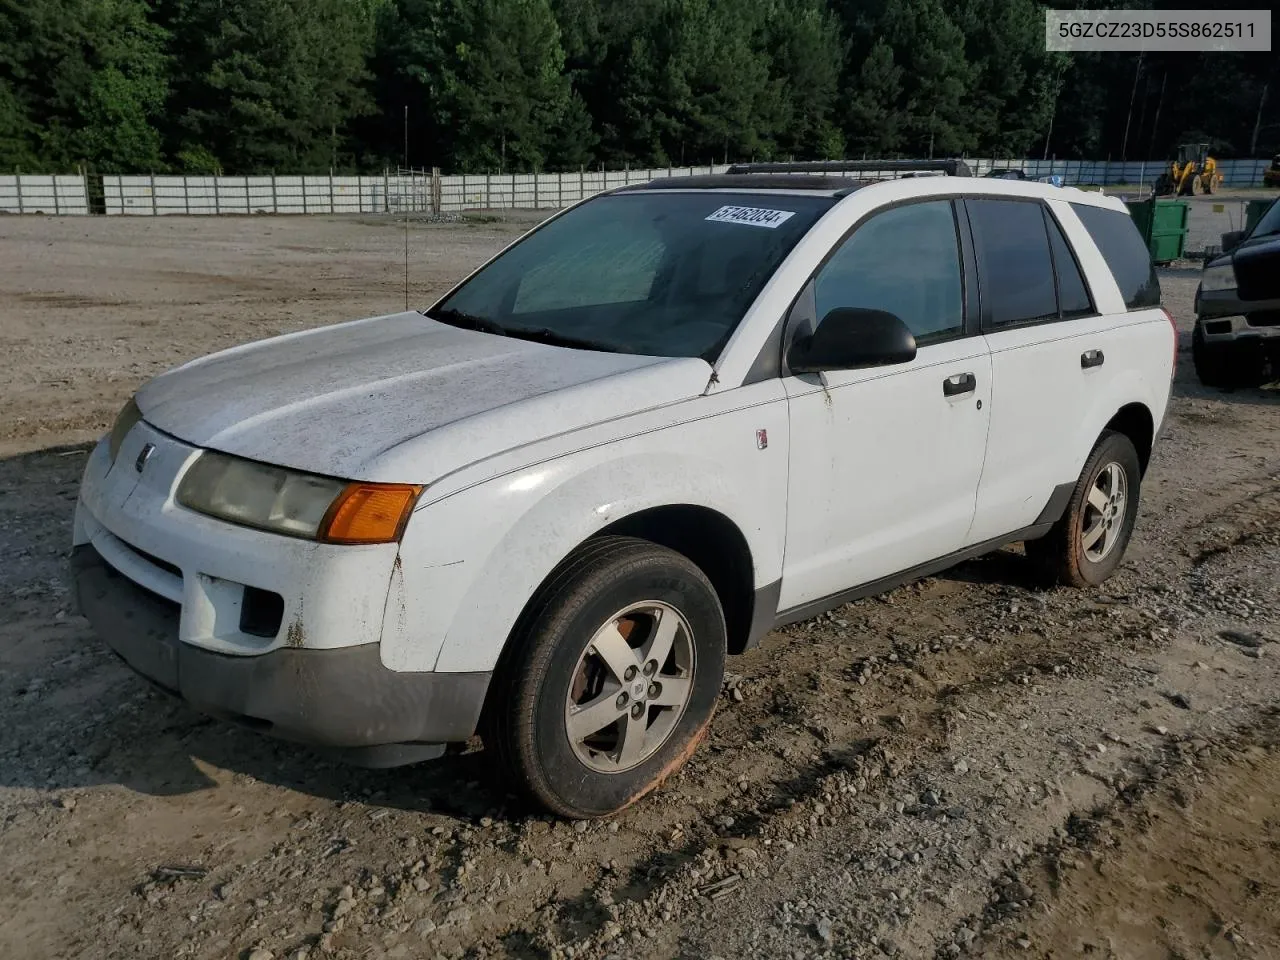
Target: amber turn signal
[{"x": 369, "y": 513}]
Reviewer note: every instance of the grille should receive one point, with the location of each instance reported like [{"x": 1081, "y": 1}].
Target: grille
[{"x": 164, "y": 565}]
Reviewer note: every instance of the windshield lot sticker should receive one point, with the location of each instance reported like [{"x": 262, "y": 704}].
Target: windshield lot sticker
[{"x": 752, "y": 216}]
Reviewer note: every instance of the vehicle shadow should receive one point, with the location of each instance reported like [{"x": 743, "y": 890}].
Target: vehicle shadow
[
  {"x": 1186, "y": 385},
  {"x": 77, "y": 717}
]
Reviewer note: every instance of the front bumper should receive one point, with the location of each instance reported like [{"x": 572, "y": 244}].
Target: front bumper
[
  {"x": 1224, "y": 317},
  {"x": 341, "y": 699}
]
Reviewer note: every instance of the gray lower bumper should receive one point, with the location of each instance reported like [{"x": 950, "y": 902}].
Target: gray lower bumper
[{"x": 343, "y": 699}]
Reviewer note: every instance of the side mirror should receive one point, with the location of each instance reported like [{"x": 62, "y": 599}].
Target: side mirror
[
  {"x": 1232, "y": 240},
  {"x": 850, "y": 338}
]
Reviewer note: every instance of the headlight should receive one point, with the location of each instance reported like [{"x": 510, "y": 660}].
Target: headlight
[
  {"x": 126, "y": 419},
  {"x": 296, "y": 504},
  {"x": 1221, "y": 277}
]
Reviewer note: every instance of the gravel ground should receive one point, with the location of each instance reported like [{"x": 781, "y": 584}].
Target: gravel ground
[{"x": 970, "y": 765}]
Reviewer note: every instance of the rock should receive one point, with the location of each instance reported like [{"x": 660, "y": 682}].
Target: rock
[
  {"x": 424, "y": 927},
  {"x": 343, "y": 908},
  {"x": 1180, "y": 700},
  {"x": 580, "y": 826},
  {"x": 1016, "y": 892},
  {"x": 823, "y": 929},
  {"x": 736, "y": 695},
  {"x": 960, "y": 767},
  {"x": 421, "y": 884},
  {"x": 1241, "y": 639},
  {"x": 67, "y": 803},
  {"x": 261, "y": 953},
  {"x": 1024, "y": 943}
]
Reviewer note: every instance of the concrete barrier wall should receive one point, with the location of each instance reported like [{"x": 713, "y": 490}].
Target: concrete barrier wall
[
  {"x": 50, "y": 195},
  {"x": 425, "y": 192}
]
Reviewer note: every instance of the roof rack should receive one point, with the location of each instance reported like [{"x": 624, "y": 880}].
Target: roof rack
[{"x": 954, "y": 168}]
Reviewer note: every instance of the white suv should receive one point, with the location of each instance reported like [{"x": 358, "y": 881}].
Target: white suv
[{"x": 665, "y": 421}]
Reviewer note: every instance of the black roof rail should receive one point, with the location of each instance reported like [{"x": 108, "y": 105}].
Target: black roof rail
[{"x": 954, "y": 167}]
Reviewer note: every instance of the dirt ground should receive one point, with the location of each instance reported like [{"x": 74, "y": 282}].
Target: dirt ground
[{"x": 970, "y": 765}]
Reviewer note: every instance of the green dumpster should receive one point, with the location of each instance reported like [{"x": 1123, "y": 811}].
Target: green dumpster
[
  {"x": 1163, "y": 225},
  {"x": 1253, "y": 212}
]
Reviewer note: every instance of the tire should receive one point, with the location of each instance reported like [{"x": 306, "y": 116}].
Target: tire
[
  {"x": 1227, "y": 365},
  {"x": 1107, "y": 492},
  {"x": 1211, "y": 361},
  {"x": 554, "y": 667}
]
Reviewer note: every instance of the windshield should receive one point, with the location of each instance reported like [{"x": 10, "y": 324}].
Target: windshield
[
  {"x": 1269, "y": 224},
  {"x": 661, "y": 274}
]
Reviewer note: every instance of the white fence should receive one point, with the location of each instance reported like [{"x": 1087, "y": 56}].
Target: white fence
[
  {"x": 394, "y": 193},
  {"x": 428, "y": 191},
  {"x": 43, "y": 194},
  {"x": 1235, "y": 173},
  {"x": 154, "y": 196}
]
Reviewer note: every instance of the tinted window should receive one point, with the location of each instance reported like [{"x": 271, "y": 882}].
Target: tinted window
[
  {"x": 655, "y": 273},
  {"x": 1073, "y": 295},
  {"x": 905, "y": 260},
  {"x": 1121, "y": 246},
  {"x": 1012, "y": 248},
  {"x": 1269, "y": 223}
]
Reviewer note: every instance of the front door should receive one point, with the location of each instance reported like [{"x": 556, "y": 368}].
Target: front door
[{"x": 885, "y": 462}]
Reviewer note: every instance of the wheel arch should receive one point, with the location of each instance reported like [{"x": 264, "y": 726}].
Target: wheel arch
[
  {"x": 716, "y": 545},
  {"x": 1135, "y": 421}
]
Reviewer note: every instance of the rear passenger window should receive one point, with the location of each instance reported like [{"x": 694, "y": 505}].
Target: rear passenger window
[
  {"x": 1017, "y": 269},
  {"x": 1121, "y": 246},
  {"x": 1073, "y": 295},
  {"x": 905, "y": 260}
]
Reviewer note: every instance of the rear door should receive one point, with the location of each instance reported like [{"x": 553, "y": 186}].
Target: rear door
[{"x": 1052, "y": 354}]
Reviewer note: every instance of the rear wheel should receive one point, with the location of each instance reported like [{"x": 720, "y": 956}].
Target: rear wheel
[
  {"x": 611, "y": 678},
  {"x": 1086, "y": 546}
]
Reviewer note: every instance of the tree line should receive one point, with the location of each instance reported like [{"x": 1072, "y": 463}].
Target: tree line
[{"x": 300, "y": 86}]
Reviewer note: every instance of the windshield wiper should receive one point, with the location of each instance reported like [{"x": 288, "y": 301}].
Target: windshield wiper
[
  {"x": 544, "y": 335},
  {"x": 468, "y": 321},
  {"x": 471, "y": 321}
]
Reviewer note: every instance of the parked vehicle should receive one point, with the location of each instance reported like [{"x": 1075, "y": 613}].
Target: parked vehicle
[
  {"x": 1237, "y": 330},
  {"x": 1193, "y": 168},
  {"x": 1005, "y": 173},
  {"x": 1271, "y": 175},
  {"x": 665, "y": 421}
]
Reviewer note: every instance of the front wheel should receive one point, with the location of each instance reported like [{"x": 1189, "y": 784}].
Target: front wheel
[
  {"x": 610, "y": 680},
  {"x": 1086, "y": 546}
]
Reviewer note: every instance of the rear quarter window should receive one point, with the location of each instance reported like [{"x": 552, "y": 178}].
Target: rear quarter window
[{"x": 1121, "y": 246}]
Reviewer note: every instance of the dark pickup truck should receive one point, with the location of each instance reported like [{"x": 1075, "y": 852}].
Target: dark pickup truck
[{"x": 1238, "y": 308}]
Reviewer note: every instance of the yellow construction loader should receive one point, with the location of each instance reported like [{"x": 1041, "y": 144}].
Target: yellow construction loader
[{"x": 1193, "y": 167}]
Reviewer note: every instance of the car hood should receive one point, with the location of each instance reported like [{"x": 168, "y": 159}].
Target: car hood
[
  {"x": 1255, "y": 247},
  {"x": 344, "y": 400}
]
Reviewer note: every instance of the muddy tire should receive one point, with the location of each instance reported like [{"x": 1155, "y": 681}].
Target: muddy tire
[
  {"x": 1087, "y": 545},
  {"x": 610, "y": 679}
]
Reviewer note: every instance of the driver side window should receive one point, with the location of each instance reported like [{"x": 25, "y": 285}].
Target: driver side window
[{"x": 905, "y": 260}]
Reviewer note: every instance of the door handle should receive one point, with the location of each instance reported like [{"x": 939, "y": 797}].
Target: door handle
[
  {"x": 1091, "y": 358},
  {"x": 959, "y": 384}
]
